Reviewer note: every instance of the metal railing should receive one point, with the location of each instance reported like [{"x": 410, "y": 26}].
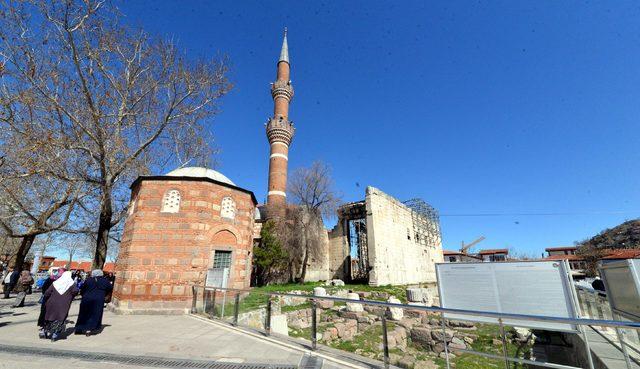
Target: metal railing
[{"x": 205, "y": 302}]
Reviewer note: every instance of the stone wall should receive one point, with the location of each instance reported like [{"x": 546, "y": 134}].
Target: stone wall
[
  {"x": 318, "y": 268},
  {"x": 339, "y": 251},
  {"x": 163, "y": 254},
  {"x": 396, "y": 257}
]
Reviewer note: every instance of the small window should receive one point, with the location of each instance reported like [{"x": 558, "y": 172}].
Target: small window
[
  {"x": 228, "y": 208},
  {"x": 221, "y": 259},
  {"x": 171, "y": 202}
]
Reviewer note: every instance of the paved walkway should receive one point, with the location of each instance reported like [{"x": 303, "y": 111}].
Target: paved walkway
[{"x": 180, "y": 337}]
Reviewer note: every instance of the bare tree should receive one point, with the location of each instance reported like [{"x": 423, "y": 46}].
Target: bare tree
[
  {"x": 32, "y": 203},
  {"x": 114, "y": 99},
  {"x": 75, "y": 246},
  {"x": 312, "y": 189}
]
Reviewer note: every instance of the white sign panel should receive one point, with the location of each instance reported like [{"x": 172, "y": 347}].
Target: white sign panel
[
  {"x": 622, "y": 286},
  {"x": 529, "y": 288}
]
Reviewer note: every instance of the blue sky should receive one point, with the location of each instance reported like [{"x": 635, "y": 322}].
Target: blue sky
[{"x": 476, "y": 107}]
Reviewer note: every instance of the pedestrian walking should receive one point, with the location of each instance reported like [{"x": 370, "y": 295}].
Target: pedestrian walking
[
  {"x": 111, "y": 278},
  {"x": 59, "y": 297},
  {"x": 94, "y": 291},
  {"x": 6, "y": 284},
  {"x": 22, "y": 287},
  {"x": 43, "y": 301}
]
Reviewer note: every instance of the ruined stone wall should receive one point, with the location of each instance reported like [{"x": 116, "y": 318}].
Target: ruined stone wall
[
  {"x": 395, "y": 256},
  {"x": 318, "y": 268},
  {"x": 338, "y": 251},
  {"x": 163, "y": 254}
]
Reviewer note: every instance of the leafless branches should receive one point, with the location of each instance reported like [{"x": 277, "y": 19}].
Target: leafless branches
[
  {"x": 100, "y": 104},
  {"x": 313, "y": 191}
]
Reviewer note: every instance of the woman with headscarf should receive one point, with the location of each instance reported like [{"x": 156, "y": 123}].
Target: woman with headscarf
[
  {"x": 93, "y": 292},
  {"x": 22, "y": 287},
  {"x": 59, "y": 297},
  {"x": 53, "y": 275}
]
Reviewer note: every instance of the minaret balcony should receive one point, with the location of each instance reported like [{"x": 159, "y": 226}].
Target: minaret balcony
[
  {"x": 282, "y": 89},
  {"x": 280, "y": 129}
]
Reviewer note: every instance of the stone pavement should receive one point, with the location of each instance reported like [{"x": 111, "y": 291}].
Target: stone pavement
[{"x": 181, "y": 337}]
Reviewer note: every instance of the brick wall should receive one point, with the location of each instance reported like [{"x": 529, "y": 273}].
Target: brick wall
[{"x": 163, "y": 254}]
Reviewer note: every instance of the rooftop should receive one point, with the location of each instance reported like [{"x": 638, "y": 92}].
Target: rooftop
[
  {"x": 493, "y": 251},
  {"x": 560, "y": 248},
  {"x": 200, "y": 172}
]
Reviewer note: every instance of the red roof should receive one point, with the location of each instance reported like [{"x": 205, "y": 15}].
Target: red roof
[
  {"x": 81, "y": 265},
  {"x": 623, "y": 254},
  {"x": 564, "y": 257},
  {"x": 449, "y": 252},
  {"x": 560, "y": 248},
  {"x": 493, "y": 251}
]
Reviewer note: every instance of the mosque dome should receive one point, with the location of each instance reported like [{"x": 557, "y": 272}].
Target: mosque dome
[{"x": 200, "y": 172}]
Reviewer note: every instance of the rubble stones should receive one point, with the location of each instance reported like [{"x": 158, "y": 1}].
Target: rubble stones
[
  {"x": 420, "y": 295},
  {"x": 440, "y": 335},
  {"x": 424, "y": 364},
  {"x": 422, "y": 338},
  {"x": 457, "y": 344},
  {"x": 459, "y": 324},
  {"x": 375, "y": 310},
  {"x": 414, "y": 313}
]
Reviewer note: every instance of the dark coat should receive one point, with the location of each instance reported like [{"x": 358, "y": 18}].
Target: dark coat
[
  {"x": 15, "y": 275},
  {"x": 57, "y": 305},
  {"x": 93, "y": 292},
  {"x": 43, "y": 308}
]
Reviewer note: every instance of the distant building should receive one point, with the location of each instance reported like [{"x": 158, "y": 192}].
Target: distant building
[
  {"x": 459, "y": 257},
  {"x": 568, "y": 253},
  {"x": 45, "y": 263},
  {"x": 493, "y": 255},
  {"x": 80, "y": 265}
]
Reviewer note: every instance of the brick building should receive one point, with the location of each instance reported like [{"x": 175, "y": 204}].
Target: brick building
[{"x": 190, "y": 227}]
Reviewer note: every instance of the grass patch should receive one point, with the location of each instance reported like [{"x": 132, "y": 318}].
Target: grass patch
[{"x": 288, "y": 308}]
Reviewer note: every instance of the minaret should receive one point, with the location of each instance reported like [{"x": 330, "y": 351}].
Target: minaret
[{"x": 280, "y": 130}]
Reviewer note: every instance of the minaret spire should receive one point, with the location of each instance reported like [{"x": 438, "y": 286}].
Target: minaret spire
[
  {"x": 284, "y": 53},
  {"x": 280, "y": 130}
]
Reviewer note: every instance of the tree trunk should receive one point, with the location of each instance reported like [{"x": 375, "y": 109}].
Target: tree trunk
[
  {"x": 23, "y": 250},
  {"x": 104, "y": 226},
  {"x": 305, "y": 259},
  {"x": 70, "y": 259}
]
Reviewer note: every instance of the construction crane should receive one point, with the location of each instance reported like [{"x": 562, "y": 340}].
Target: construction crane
[{"x": 466, "y": 247}]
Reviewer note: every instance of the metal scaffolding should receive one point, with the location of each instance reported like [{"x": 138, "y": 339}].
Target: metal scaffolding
[{"x": 426, "y": 222}]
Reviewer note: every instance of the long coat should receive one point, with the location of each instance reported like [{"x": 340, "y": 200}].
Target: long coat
[
  {"x": 57, "y": 305},
  {"x": 93, "y": 292},
  {"x": 43, "y": 308}
]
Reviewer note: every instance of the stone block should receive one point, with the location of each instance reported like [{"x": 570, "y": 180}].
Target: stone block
[
  {"x": 440, "y": 335},
  {"x": 354, "y": 307},
  {"x": 421, "y": 337},
  {"x": 395, "y": 313},
  {"x": 279, "y": 324}
]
